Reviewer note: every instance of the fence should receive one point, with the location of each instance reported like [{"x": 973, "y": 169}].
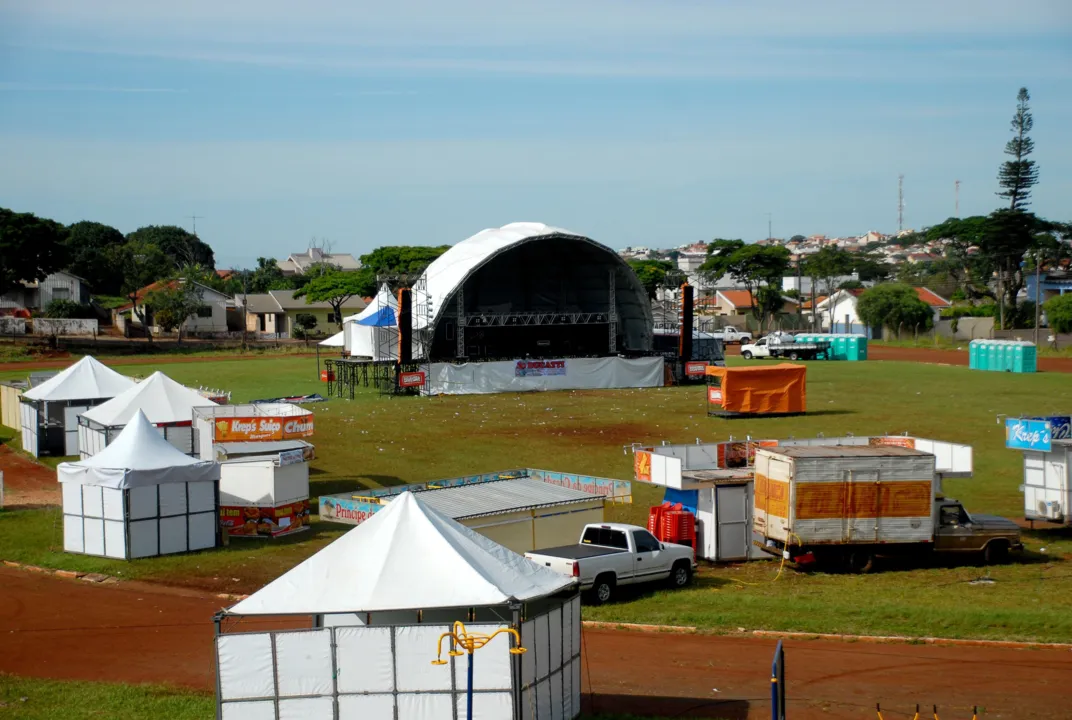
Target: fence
[
  {"x": 64, "y": 326},
  {"x": 12, "y": 326}
]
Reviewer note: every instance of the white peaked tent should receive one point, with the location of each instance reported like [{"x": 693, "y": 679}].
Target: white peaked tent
[
  {"x": 371, "y": 341},
  {"x": 167, "y": 404},
  {"x": 49, "y": 412},
  {"x": 139, "y": 497},
  {"x": 381, "y": 595},
  {"x": 336, "y": 340}
]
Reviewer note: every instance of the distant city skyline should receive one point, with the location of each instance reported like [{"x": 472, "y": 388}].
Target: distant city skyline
[{"x": 635, "y": 123}]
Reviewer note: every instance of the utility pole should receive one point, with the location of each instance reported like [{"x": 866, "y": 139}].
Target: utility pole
[
  {"x": 195, "y": 218},
  {"x": 1038, "y": 295},
  {"x": 769, "y": 235},
  {"x": 956, "y": 194},
  {"x": 900, "y": 203}
]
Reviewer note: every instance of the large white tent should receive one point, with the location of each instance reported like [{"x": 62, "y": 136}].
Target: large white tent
[
  {"x": 167, "y": 404},
  {"x": 380, "y": 596},
  {"x": 49, "y": 412},
  {"x": 139, "y": 497},
  {"x": 364, "y": 339}
]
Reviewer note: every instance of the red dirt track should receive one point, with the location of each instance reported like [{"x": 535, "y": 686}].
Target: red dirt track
[
  {"x": 940, "y": 357},
  {"x": 70, "y": 629}
]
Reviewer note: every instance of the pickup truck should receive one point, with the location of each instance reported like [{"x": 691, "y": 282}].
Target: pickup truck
[
  {"x": 610, "y": 555},
  {"x": 770, "y": 347},
  {"x": 730, "y": 335}
]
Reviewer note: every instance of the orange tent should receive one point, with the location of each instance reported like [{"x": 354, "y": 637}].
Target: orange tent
[{"x": 771, "y": 389}]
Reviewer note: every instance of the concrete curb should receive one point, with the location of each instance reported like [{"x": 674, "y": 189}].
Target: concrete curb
[
  {"x": 672, "y": 629},
  {"x": 900, "y": 639}
]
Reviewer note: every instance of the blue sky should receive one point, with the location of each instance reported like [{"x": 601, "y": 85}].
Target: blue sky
[{"x": 637, "y": 123}]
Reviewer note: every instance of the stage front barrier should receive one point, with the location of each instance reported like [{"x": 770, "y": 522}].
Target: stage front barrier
[{"x": 478, "y": 378}]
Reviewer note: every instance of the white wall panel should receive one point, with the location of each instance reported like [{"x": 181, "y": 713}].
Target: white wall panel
[
  {"x": 143, "y": 538},
  {"x": 541, "y": 647},
  {"x": 142, "y": 502},
  {"x": 72, "y": 498},
  {"x": 72, "y": 533},
  {"x": 201, "y": 530},
  {"x": 567, "y": 632},
  {"x": 245, "y": 666},
  {"x": 202, "y": 497},
  {"x": 556, "y": 696},
  {"x": 342, "y": 620},
  {"x": 363, "y": 660},
  {"x": 491, "y": 668},
  {"x": 115, "y": 539},
  {"x": 172, "y": 498},
  {"x": 172, "y": 534},
  {"x": 92, "y": 501},
  {"x": 414, "y": 651},
  {"x": 321, "y": 708},
  {"x": 554, "y": 656},
  {"x": 487, "y": 706},
  {"x": 577, "y": 687},
  {"x": 576, "y": 607},
  {"x": 425, "y": 707},
  {"x": 93, "y": 531},
  {"x": 567, "y": 690},
  {"x": 113, "y": 504},
  {"x": 366, "y": 707},
  {"x": 303, "y": 663},
  {"x": 249, "y": 711}
]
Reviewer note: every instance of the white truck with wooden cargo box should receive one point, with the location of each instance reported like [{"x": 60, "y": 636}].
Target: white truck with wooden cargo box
[
  {"x": 612, "y": 554},
  {"x": 841, "y": 507}
]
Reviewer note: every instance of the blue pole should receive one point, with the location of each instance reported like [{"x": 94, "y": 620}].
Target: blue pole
[{"x": 469, "y": 691}]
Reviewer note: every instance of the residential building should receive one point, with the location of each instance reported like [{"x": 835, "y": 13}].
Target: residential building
[
  {"x": 1052, "y": 283},
  {"x": 211, "y": 318},
  {"x": 734, "y": 302},
  {"x": 275, "y": 312},
  {"x": 299, "y": 263},
  {"x": 37, "y": 295},
  {"x": 837, "y": 313}
]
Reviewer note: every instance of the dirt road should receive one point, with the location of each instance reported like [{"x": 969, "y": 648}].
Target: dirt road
[
  {"x": 146, "y": 359},
  {"x": 71, "y": 629},
  {"x": 940, "y": 356},
  {"x": 27, "y": 483}
]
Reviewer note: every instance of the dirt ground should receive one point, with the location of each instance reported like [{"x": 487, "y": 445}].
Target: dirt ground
[
  {"x": 70, "y": 629},
  {"x": 940, "y": 357},
  {"x": 27, "y": 483}
]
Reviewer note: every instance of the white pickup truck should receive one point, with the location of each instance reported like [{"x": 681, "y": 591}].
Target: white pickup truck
[
  {"x": 730, "y": 335},
  {"x": 611, "y": 554}
]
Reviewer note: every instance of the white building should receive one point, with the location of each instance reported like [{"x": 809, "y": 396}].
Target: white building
[
  {"x": 36, "y": 295},
  {"x": 298, "y": 263},
  {"x": 211, "y": 317}
]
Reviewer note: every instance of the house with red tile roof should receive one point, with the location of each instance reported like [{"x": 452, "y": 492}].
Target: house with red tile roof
[
  {"x": 210, "y": 318},
  {"x": 735, "y": 302},
  {"x": 837, "y": 313}
]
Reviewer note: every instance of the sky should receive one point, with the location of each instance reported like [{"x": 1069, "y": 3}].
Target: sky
[{"x": 422, "y": 122}]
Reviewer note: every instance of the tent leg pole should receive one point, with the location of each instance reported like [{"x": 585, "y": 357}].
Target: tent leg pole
[{"x": 469, "y": 691}]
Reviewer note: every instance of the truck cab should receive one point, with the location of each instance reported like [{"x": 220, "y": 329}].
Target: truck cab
[
  {"x": 958, "y": 531},
  {"x": 759, "y": 349}
]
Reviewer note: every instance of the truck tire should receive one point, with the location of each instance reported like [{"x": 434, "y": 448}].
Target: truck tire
[
  {"x": 860, "y": 561},
  {"x": 794, "y": 355},
  {"x": 996, "y": 552},
  {"x": 604, "y": 589},
  {"x": 747, "y": 354},
  {"x": 680, "y": 575}
]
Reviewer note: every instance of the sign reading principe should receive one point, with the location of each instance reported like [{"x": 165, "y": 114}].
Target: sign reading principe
[
  {"x": 252, "y": 429},
  {"x": 1023, "y": 434},
  {"x": 536, "y": 368}
]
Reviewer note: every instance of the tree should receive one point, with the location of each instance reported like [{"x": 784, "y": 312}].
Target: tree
[
  {"x": 140, "y": 263},
  {"x": 717, "y": 264},
  {"x": 894, "y": 305},
  {"x": 970, "y": 271},
  {"x": 176, "y": 300},
  {"x": 1059, "y": 314},
  {"x": 754, "y": 266},
  {"x": 181, "y": 247},
  {"x": 31, "y": 248},
  {"x": 334, "y": 288},
  {"x": 267, "y": 276},
  {"x": 768, "y": 303},
  {"x": 89, "y": 252},
  {"x": 851, "y": 285},
  {"x": 824, "y": 268},
  {"x": 797, "y": 239},
  {"x": 1017, "y": 176},
  {"x": 402, "y": 259},
  {"x": 67, "y": 309},
  {"x": 1009, "y": 235},
  {"x": 304, "y": 322},
  {"x": 654, "y": 274}
]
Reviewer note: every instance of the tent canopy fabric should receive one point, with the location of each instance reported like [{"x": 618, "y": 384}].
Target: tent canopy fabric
[
  {"x": 407, "y": 556},
  {"x": 585, "y": 278},
  {"x": 161, "y": 399},
  {"x": 361, "y": 340},
  {"x": 761, "y": 389},
  {"x": 138, "y": 456},
  {"x": 336, "y": 340},
  {"x": 87, "y": 379},
  {"x": 383, "y": 317}
]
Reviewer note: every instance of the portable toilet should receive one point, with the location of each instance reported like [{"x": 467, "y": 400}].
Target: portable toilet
[
  {"x": 993, "y": 356},
  {"x": 1006, "y": 356},
  {"x": 856, "y": 347},
  {"x": 973, "y": 355},
  {"x": 863, "y": 347},
  {"x": 1024, "y": 358}
]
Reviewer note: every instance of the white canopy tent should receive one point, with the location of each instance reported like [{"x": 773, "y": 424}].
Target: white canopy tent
[
  {"x": 381, "y": 595},
  {"x": 49, "y": 412},
  {"x": 167, "y": 404},
  {"x": 337, "y": 340},
  {"x": 369, "y": 340},
  {"x": 138, "y": 497}
]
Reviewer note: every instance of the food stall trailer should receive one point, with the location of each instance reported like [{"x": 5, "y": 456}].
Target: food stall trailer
[
  {"x": 753, "y": 391},
  {"x": 1047, "y": 446}
]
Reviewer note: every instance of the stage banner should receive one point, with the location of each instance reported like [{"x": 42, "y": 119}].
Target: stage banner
[{"x": 530, "y": 375}]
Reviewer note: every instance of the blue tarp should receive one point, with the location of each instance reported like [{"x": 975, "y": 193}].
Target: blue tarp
[{"x": 384, "y": 317}]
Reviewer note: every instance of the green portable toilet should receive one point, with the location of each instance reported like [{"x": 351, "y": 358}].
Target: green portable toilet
[
  {"x": 856, "y": 347},
  {"x": 993, "y": 356},
  {"x": 983, "y": 356},
  {"x": 841, "y": 347},
  {"x": 1005, "y": 356},
  {"x": 1024, "y": 357},
  {"x": 973, "y": 355},
  {"x": 863, "y": 347}
]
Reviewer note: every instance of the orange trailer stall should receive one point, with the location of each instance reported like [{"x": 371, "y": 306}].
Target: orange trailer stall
[{"x": 760, "y": 390}]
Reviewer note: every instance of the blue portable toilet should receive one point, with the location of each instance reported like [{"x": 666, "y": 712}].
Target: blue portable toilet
[
  {"x": 1024, "y": 359},
  {"x": 993, "y": 356}
]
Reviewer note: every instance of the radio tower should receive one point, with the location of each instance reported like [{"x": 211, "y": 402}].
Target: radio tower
[
  {"x": 900, "y": 203},
  {"x": 956, "y": 192}
]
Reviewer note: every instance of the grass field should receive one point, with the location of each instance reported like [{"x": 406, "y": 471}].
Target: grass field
[{"x": 373, "y": 441}]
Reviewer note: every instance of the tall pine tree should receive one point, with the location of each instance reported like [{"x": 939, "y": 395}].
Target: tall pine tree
[{"x": 1017, "y": 176}]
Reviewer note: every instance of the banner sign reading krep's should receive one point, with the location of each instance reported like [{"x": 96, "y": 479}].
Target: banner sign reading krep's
[
  {"x": 246, "y": 429},
  {"x": 1060, "y": 427},
  {"x": 411, "y": 379},
  {"x": 696, "y": 367},
  {"x": 533, "y": 368},
  {"x": 1023, "y": 434}
]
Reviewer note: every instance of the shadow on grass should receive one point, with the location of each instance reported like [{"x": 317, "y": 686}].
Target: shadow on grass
[
  {"x": 939, "y": 561},
  {"x": 630, "y": 593},
  {"x": 339, "y": 486},
  {"x": 643, "y": 706}
]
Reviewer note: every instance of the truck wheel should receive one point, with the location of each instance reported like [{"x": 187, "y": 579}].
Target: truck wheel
[
  {"x": 680, "y": 575},
  {"x": 603, "y": 589},
  {"x": 996, "y": 553},
  {"x": 747, "y": 354},
  {"x": 860, "y": 561},
  {"x": 794, "y": 355}
]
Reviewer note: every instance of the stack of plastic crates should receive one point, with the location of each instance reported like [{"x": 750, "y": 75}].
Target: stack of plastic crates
[{"x": 671, "y": 523}]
